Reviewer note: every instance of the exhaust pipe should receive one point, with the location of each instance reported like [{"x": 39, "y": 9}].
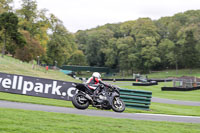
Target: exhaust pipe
[{"x": 88, "y": 97}]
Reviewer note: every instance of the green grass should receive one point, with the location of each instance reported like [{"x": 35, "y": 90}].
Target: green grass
[
  {"x": 173, "y": 109},
  {"x": 14, "y": 66},
  {"x": 21, "y": 121},
  {"x": 174, "y": 73},
  {"x": 34, "y": 100},
  {"x": 157, "y": 92},
  {"x": 155, "y": 108},
  {"x": 156, "y": 74}
]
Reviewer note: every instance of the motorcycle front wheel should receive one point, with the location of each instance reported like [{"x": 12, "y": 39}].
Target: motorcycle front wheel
[
  {"x": 80, "y": 102},
  {"x": 118, "y": 105}
]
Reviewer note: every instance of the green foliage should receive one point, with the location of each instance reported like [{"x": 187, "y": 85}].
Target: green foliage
[
  {"x": 97, "y": 42},
  {"x": 36, "y": 23},
  {"x": 111, "y": 53},
  {"x": 29, "y": 14},
  {"x": 77, "y": 58},
  {"x": 9, "y": 29},
  {"x": 61, "y": 45},
  {"x": 134, "y": 46},
  {"x": 31, "y": 51},
  {"x": 149, "y": 53},
  {"x": 125, "y": 47},
  {"x": 170, "y": 42},
  {"x": 167, "y": 53},
  {"x": 34, "y": 28},
  {"x": 4, "y": 6},
  {"x": 189, "y": 45}
]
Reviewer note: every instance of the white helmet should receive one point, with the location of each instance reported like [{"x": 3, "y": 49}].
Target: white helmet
[{"x": 96, "y": 75}]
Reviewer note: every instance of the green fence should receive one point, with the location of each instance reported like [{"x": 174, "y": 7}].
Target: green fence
[{"x": 136, "y": 99}]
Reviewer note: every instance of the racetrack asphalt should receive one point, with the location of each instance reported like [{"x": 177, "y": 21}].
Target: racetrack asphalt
[
  {"x": 170, "y": 101},
  {"x": 88, "y": 112}
]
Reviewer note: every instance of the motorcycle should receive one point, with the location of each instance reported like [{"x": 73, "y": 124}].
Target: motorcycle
[{"x": 108, "y": 98}]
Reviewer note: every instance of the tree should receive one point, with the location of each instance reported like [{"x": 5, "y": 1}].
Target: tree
[
  {"x": 125, "y": 47},
  {"x": 168, "y": 42},
  {"x": 9, "y": 28},
  {"x": 81, "y": 39},
  {"x": 61, "y": 45},
  {"x": 4, "y": 6},
  {"x": 77, "y": 58},
  {"x": 163, "y": 27},
  {"x": 126, "y": 28},
  {"x": 28, "y": 13},
  {"x": 37, "y": 24},
  {"x": 149, "y": 53},
  {"x": 188, "y": 47},
  {"x": 145, "y": 34},
  {"x": 31, "y": 50},
  {"x": 167, "y": 53},
  {"x": 111, "y": 54},
  {"x": 97, "y": 42},
  {"x": 34, "y": 21}
]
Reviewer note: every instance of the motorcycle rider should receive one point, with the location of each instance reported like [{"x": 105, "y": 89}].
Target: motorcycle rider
[{"x": 95, "y": 83}]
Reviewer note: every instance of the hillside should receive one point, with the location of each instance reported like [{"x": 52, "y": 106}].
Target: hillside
[{"x": 14, "y": 66}]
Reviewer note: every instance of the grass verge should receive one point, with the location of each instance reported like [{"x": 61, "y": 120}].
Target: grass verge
[
  {"x": 14, "y": 66},
  {"x": 21, "y": 121}
]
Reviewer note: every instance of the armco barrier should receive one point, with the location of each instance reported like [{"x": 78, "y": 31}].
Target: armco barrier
[
  {"x": 136, "y": 99},
  {"x": 145, "y": 83},
  {"x": 179, "y": 88}
]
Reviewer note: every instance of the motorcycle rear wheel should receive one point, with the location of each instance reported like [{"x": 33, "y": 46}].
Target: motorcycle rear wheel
[
  {"x": 80, "y": 102},
  {"x": 118, "y": 105}
]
